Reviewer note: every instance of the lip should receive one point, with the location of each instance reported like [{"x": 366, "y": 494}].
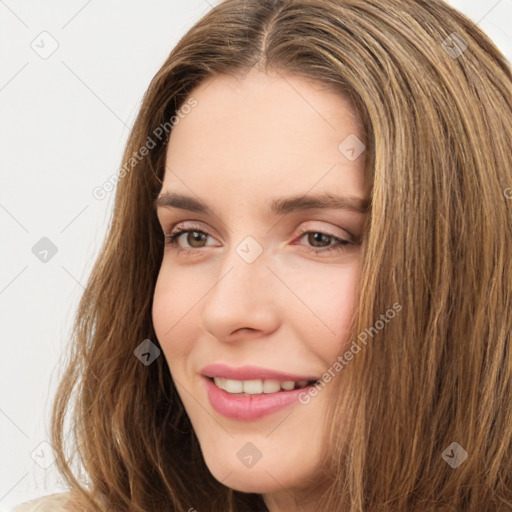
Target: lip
[
  {"x": 251, "y": 407},
  {"x": 250, "y": 373}
]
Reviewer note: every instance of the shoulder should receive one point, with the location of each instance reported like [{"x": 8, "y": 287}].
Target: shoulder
[{"x": 59, "y": 502}]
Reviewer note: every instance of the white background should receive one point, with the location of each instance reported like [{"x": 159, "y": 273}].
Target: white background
[{"x": 64, "y": 122}]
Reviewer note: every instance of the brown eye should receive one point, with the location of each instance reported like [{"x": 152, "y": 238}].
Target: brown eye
[
  {"x": 315, "y": 238},
  {"x": 194, "y": 238},
  {"x": 322, "y": 243}
]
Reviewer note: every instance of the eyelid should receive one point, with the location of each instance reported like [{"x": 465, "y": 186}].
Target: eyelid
[
  {"x": 304, "y": 228},
  {"x": 346, "y": 235},
  {"x": 188, "y": 226}
]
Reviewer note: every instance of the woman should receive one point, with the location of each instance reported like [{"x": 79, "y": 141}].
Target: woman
[{"x": 304, "y": 298}]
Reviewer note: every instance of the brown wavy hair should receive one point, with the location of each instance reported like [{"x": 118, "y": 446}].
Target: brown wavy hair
[{"x": 438, "y": 125}]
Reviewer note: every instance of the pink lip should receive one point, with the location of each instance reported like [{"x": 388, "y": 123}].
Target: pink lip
[
  {"x": 248, "y": 408},
  {"x": 250, "y": 373}
]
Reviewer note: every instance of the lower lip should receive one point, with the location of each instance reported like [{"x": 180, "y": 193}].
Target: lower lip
[{"x": 247, "y": 408}]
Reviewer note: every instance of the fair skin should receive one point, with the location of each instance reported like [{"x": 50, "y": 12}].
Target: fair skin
[{"x": 247, "y": 142}]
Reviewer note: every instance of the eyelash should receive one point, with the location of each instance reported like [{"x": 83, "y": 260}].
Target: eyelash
[{"x": 172, "y": 240}]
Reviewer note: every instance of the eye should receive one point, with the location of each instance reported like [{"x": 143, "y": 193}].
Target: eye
[
  {"x": 326, "y": 242},
  {"x": 195, "y": 238}
]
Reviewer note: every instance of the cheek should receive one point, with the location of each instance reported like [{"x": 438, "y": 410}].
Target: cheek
[
  {"x": 319, "y": 308},
  {"x": 340, "y": 297},
  {"x": 169, "y": 314},
  {"x": 329, "y": 295}
]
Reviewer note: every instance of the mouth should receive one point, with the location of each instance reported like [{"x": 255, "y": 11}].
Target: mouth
[{"x": 258, "y": 386}]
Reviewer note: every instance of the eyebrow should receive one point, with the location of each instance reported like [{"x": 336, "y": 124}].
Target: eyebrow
[{"x": 278, "y": 206}]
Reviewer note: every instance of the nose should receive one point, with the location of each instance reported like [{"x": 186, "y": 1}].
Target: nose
[{"x": 243, "y": 301}]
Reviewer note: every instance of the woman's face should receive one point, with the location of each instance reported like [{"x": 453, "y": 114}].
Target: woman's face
[{"x": 259, "y": 283}]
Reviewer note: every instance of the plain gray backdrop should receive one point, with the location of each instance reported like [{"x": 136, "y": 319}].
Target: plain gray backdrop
[{"x": 72, "y": 76}]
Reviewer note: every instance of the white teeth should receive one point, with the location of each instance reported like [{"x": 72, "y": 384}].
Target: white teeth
[
  {"x": 253, "y": 387},
  {"x": 257, "y": 386},
  {"x": 288, "y": 385},
  {"x": 220, "y": 382},
  {"x": 271, "y": 386},
  {"x": 233, "y": 386}
]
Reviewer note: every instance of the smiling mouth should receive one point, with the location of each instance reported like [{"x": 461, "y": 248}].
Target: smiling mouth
[{"x": 258, "y": 386}]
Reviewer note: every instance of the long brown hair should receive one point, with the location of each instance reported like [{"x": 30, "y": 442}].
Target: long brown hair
[{"x": 434, "y": 95}]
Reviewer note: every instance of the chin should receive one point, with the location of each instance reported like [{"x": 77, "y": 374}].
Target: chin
[{"x": 246, "y": 480}]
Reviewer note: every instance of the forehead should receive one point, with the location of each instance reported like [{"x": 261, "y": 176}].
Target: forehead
[{"x": 261, "y": 132}]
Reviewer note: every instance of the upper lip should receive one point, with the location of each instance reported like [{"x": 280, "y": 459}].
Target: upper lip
[{"x": 251, "y": 373}]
